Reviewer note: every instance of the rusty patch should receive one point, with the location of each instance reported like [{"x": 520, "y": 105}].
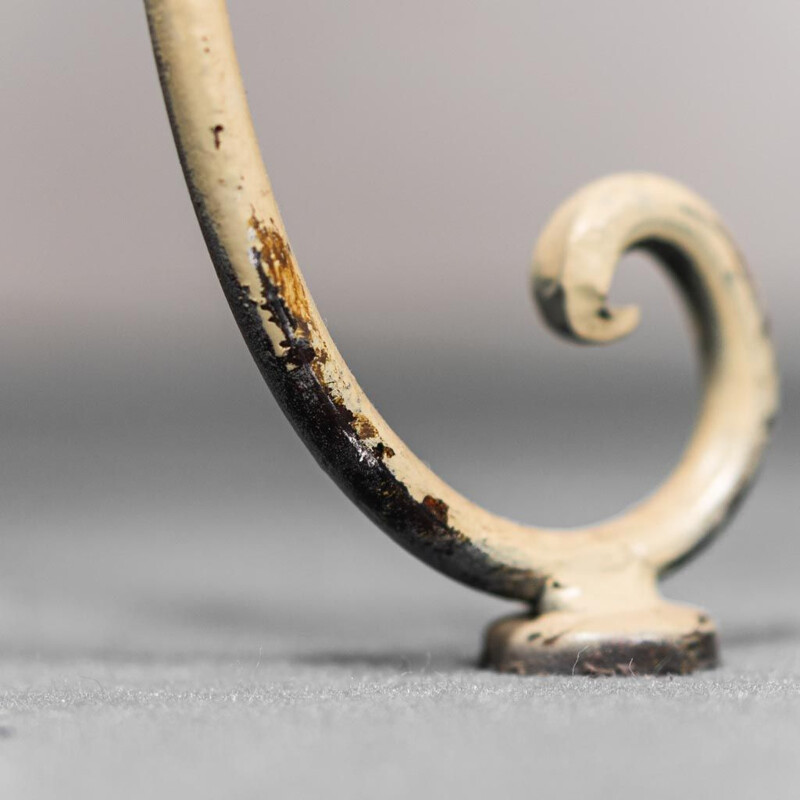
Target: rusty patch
[
  {"x": 274, "y": 257},
  {"x": 322, "y": 419},
  {"x": 363, "y": 427},
  {"x": 383, "y": 451},
  {"x": 309, "y": 402},
  {"x": 217, "y": 131},
  {"x": 437, "y": 507}
]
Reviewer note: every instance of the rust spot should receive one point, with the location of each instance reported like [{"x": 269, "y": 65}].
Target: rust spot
[
  {"x": 277, "y": 265},
  {"x": 319, "y": 374},
  {"x": 552, "y": 639},
  {"x": 437, "y": 507},
  {"x": 298, "y": 372},
  {"x": 363, "y": 427},
  {"x": 319, "y": 415},
  {"x": 382, "y": 451},
  {"x": 217, "y": 131}
]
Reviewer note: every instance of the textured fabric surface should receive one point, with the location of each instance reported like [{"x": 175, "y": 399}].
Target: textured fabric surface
[
  {"x": 187, "y": 652},
  {"x": 376, "y": 716},
  {"x": 395, "y": 726}
]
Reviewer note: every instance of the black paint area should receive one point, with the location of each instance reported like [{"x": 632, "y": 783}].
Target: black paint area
[
  {"x": 359, "y": 472},
  {"x": 328, "y": 431}
]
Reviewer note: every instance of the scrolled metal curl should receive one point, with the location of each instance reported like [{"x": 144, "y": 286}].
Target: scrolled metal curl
[{"x": 567, "y": 576}]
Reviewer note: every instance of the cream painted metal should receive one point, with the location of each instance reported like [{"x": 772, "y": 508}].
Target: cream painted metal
[{"x": 594, "y": 605}]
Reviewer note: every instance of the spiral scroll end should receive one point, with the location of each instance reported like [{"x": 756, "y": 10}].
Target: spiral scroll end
[{"x": 582, "y": 313}]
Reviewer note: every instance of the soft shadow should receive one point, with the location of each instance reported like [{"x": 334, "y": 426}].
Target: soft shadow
[
  {"x": 233, "y": 616},
  {"x": 756, "y": 635},
  {"x": 420, "y": 661}
]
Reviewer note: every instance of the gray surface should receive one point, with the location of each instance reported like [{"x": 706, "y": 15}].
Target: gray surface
[
  {"x": 188, "y": 607},
  {"x": 192, "y": 617},
  {"x": 398, "y": 724}
]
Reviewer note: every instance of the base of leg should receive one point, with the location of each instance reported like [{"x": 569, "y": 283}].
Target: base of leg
[{"x": 667, "y": 639}]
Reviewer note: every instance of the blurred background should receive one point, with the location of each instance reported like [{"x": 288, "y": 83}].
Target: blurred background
[{"x": 149, "y": 481}]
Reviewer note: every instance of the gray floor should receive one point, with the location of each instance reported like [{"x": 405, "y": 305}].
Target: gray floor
[{"x": 190, "y": 609}]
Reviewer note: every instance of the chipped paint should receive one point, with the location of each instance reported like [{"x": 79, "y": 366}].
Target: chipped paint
[
  {"x": 437, "y": 507},
  {"x": 609, "y": 568}
]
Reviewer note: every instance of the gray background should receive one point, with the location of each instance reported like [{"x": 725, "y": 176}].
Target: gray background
[{"x": 178, "y": 617}]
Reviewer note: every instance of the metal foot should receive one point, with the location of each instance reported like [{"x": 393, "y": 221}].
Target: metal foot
[{"x": 668, "y": 639}]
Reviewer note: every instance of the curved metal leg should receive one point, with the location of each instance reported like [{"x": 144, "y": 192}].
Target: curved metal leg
[{"x": 592, "y": 591}]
